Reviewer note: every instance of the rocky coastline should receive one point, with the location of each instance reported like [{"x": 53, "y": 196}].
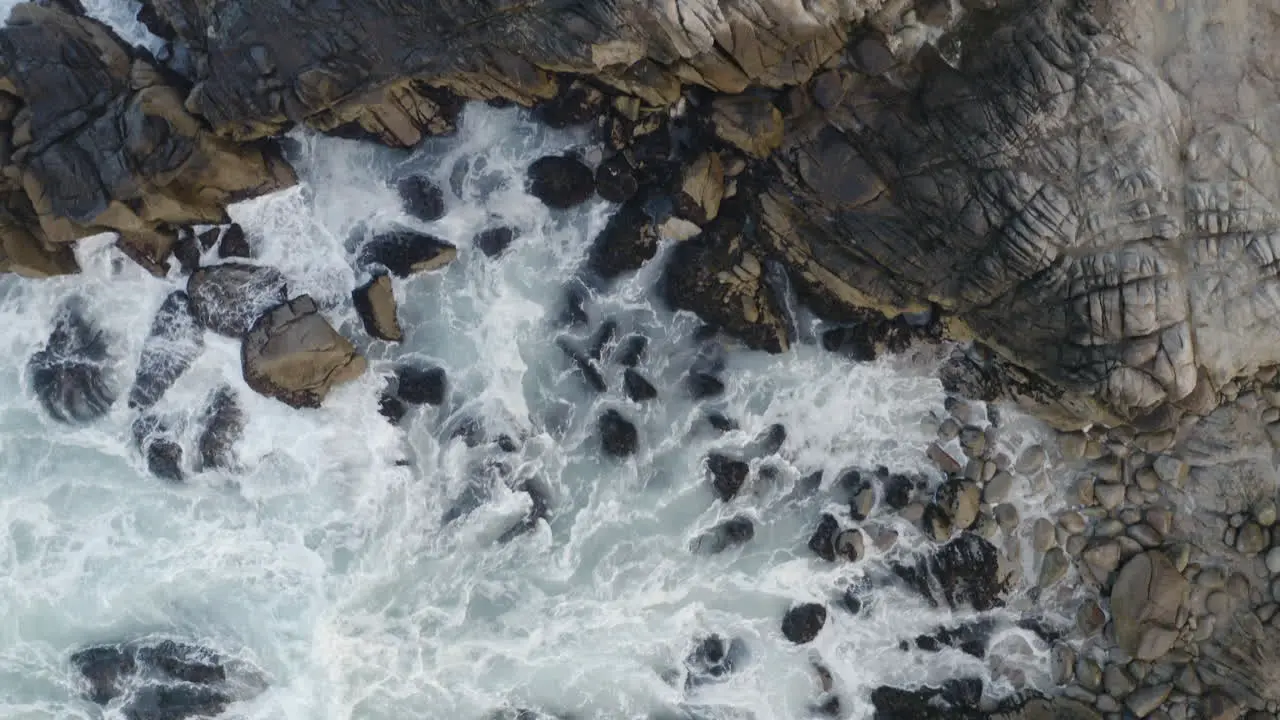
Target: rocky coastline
[{"x": 1060, "y": 192}]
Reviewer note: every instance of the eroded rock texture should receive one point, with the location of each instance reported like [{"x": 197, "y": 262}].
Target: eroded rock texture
[
  {"x": 175, "y": 341},
  {"x": 72, "y": 375}
]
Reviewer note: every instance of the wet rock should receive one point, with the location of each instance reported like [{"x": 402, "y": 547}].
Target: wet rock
[
  {"x": 638, "y": 389},
  {"x": 1144, "y": 701},
  {"x": 769, "y": 441},
  {"x": 375, "y": 303},
  {"x": 627, "y": 242},
  {"x": 703, "y": 385},
  {"x": 713, "y": 658},
  {"x": 422, "y": 199},
  {"x": 936, "y": 523},
  {"x": 850, "y": 544},
  {"x": 997, "y": 490},
  {"x": 630, "y": 351},
  {"x": 392, "y": 408},
  {"x": 539, "y": 509},
  {"x": 1251, "y": 539},
  {"x": 701, "y": 189},
  {"x": 896, "y": 490},
  {"x": 175, "y": 341},
  {"x": 1031, "y": 460},
  {"x": 963, "y": 572},
  {"x": 405, "y": 252},
  {"x": 960, "y": 500},
  {"x": 576, "y": 103},
  {"x": 234, "y": 243},
  {"x": 295, "y": 356},
  {"x": 162, "y": 680},
  {"x": 187, "y": 251},
  {"x": 159, "y": 447},
  {"x": 970, "y": 638},
  {"x": 222, "y": 425},
  {"x": 943, "y": 459},
  {"x": 803, "y": 622},
  {"x": 727, "y": 475},
  {"x": 230, "y": 297},
  {"x": 560, "y": 182},
  {"x": 1147, "y": 596},
  {"x": 618, "y": 437},
  {"x": 823, "y": 540},
  {"x": 587, "y": 368},
  {"x": 71, "y": 375},
  {"x": 1053, "y": 567},
  {"x": 602, "y": 338},
  {"x": 721, "y": 423},
  {"x": 494, "y": 241},
  {"x": 615, "y": 180},
  {"x": 418, "y": 385},
  {"x": 735, "y": 531}
]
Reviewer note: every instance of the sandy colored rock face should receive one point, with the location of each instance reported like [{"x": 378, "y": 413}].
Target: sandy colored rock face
[
  {"x": 294, "y": 355},
  {"x": 375, "y": 302}
]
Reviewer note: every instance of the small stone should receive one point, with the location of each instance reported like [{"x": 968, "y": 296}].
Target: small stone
[
  {"x": 1237, "y": 520},
  {"x": 1102, "y": 559},
  {"x": 1007, "y": 518},
  {"x": 1217, "y": 705},
  {"x": 973, "y": 440},
  {"x": 1062, "y": 662},
  {"x": 960, "y": 499},
  {"x": 618, "y": 436},
  {"x": 1146, "y": 535},
  {"x": 1031, "y": 460},
  {"x": 1273, "y": 560},
  {"x": 1266, "y": 612},
  {"x": 1075, "y": 545},
  {"x": 948, "y": 430},
  {"x": 1072, "y": 445},
  {"x": 989, "y": 470},
  {"x": 1134, "y": 495},
  {"x": 997, "y": 490},
  {"x": 850, "y": 544},
  {"x": 1043, "y": 536},
  {"x": 1252, "y": 539},
  {"x": 1219, "y": 603},
  {"x": 1084, "y": 490},
  {"x": 863, "y": 503},
  {"x": 943, "y": 459},
  {"x": 936, "y": 523},
  {"x": 1053, "y": 567},
  {"x": 1156, "y": 642},
  {"x": 1144, "y": 701},
  {"x": 1148, "y": 479},
  {"x": 1109, "y": 527},
  {"x": 1180, "y": 556},
  {"x": 1117, "y": 682},
  {"x": 1211, "y": 578},
  {"x": 1188, "y": 681},
  {"x": 1090, "y": 618},
  {"x": 1160, "y": 520},
  {"x": 1171, "y": 470},
  {"x": 1093, "y": 450},
  {"x": 1088, "y": 674},
  {"x": 1229, "y": 537},
  {"x": 913, "y": 512},
  {"x": 1072, "y": 521},
  {"x": 1130, "y": 516},
  {"x": 1265, "y": 513},
  {"x": 1110, "y": 496},
  {"x": 1107, "y": 704}
]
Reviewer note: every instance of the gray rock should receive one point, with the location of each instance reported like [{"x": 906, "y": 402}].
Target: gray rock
[
  {"x": 1171, "y": 470},
  {"x": 1030, "y": 460},
  {"x": 1073, "y": 522},
  {"x": 1110, "y": 496},
  {"x": 1147, "y": 479},
  {"x": 1043, "y": 535},
  {"x": 973, "y": 440},
  {"x": 943, "y": 459},
  {"x": 1117, "y": 682},
  {"x": 1147, "y": 595},
  {"x": 1062, "y": 662},
  {"x": 1088, "y": 674},
  {"x": 997, "y": 490},
  {"x": 1007, "y": 517},
  {"x": 1144, "y": 701},
  {"x": 1146, "y": 535},
  {"x": 1265, "y": 513},
  {"x": 1102, "y": 558},
  {"x": 1273, "y": 560},
  {"x": 1053, "y": 567},
  {"x": 1252, "y": 539},
  {"x": 1160, "y": 520},
  {"x": 960, "y": 499},
  {"x": 1072, "y": 445},
  {"x": 948, "y": 430},
  {"x": 1090, "y": 618}
]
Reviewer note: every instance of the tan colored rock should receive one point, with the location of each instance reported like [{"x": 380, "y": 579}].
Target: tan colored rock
[
  {"x": 701, "y": 189},
  {"x": 750, "y": 123},
  {"x": 375, "y": 303},
  {"x": 1147, "y": 594},
  {"x": 294, "y": 355}
]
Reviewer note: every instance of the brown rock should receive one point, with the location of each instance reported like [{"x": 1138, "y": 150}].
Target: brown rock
[
  {"x": 1147, "y": 594},
  {"x": 701, "y": 189},
  {"x": 375, "y": 303},
  {"x": 294, "y": 355}
]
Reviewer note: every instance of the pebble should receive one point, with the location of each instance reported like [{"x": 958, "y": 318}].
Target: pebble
[
  {"x": 1072, "y": 445},
  {"x": 1273, "y": 560},
  {"x": 1251, "y": 539},
  {"x": 1130, "y": 516},
  {"x": 1084, "y": 490},
  {"x": 1117, "y": 681},
  {"x": 1088, "y": 674},
  {"x": 1238, "y": 585},
  {"x": 1103, "y": 558},
  {"x": 913, "y": 512},
  {"x": 1229, "y": 537},
  {"x": 1266, "y": 612},
  {"x": 1128, "y": 547},
  {"x": 1134, "y": 495},
  {"x": 1160, "y": 520},
  {"x": 1109, "y": 527},
  {"x": 1043, "y": 536},
  {"x": 1275, "y": 589},
  {"x": 1219, "y": 603},
  {"x": 1188, "y": 681},
  {"x": 1171, "y": 470},
  {"x": 1093, "y": 450},
  {"x": 1072, "y": 521},
  {"x": 1237, "y": 520},
  {"x": 1145, "y": 535},
  {"x": 973, "y": 440},
  {"x": 1148, "y": 479},
  {"x": 1031, "y": 460},
  {"x": 1144, "y": 701},
  {"x": 1062, "y": 661},
  {"x": 1075, "y": 545},
  {"x": 1180, "y": 555},
  {"x": 1090, "y": 618},
  {"x": 1053, "y": 567},
  {"x": 1265, "y": 513},
  {"x": 989, "y": 470},
  {"x": 1106, "y": 703},
  {"x": 948, "y": 430},
  {"x": 1006, "y": 517},
  {"x": 997, "y": 490},
  {"x": 1109, "y": 495},
  {"x": 1212, "y": 578}
]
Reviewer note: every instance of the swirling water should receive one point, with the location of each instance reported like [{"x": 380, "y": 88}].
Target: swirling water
[{"x": 324, "y": 559}]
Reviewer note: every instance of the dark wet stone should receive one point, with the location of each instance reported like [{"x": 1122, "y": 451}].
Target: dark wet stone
[
  {"x": 964, "y": 572},
  {"x": 175, "y": 341},
  {"x": 850, "y": 342},
  {"x": 106, "y": 669},
  {"x": 187, "y": 251},
  {"x": 727, "y": 475},
  {"x": 222, "y": 426},
  {"x": 856, "y": 596},
  {"x": 392, "y": 408},
  {"x": 713, "y": 659},
  {"x": 703, "y": 385},
  {"x": 735, "y": 531},
  {"x": 181, "y": 680},
  {"x": 618, "y": 437},
  {"x": 422, "y": 199},
  {"x": 471, "y": 430},
  {"x": 540, "y": 509},
  {"x": 160, "y": 448},
  {"x": 823, "y": 540},
  {"x": 626, "y": 243},
  {"x": 421, "y": 385},
  {"x": 70, "y": 375},
  {"x": 803, "y": 622},
  {"x": 209, "y": 238},
  {"x": 829, "y": 707},
  {"x": 176, "y": 702},
  {"x": 638, "y": 389},
  {"x": 494, "y": 241},
  {"x": 630, "y": 351},
  {"x": 560, "y": 182},
  {"x": 234, "y": 243},
  {"x": 605, "y": 334},
  {"x": 852, "y": 484},
  {"x": 769, "y": 441},
  {"x": 969, "y": 637},
  {"x": 228, "y": 298},
  {"x": 896, "y": 490},
  {"x": 615, "y": 180},
  {"x": 574, "y": 310},
  {"x": 577, "y": 103},
  {"x": 506, "y": 443},
  {"x": 720, "y": 422},
  {"x": 587, "y": 368},
  {"x": 405, "y": 252}
]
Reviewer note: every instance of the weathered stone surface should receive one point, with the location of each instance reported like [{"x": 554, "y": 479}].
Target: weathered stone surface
[
  {"x": 405, "y": 252},
  {"x": 1147, "y": 594},
  {"x": 294, "y": 355},
  {"x": 175, "y": 341},
  {"x": 72, "y": 374},
  {"x": 375, "y": 303},
  {"x": 222, "y": 425},
  {"x": 229, "y": 297}
]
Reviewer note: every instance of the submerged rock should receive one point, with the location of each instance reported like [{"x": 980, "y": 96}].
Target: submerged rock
[
  {"x": 630, "y": 351},
  {"x": 422, "y": 199},
  {"x": 405, "y": 252},
  {"x": 803, "y": 622},
  {"x": 587, "y": 368},
  {"x": 727, "y": 475},
  {"x": 638, "y": 389},
  {"x": 222, "y": 425},
  {"x": 421, "y": 385},
  {"x": 229, "y": 297},
  {"x": 560, "y": 182},
  {"x": 71, "y": 374},
  {"x": 175, "y": 341},
  {"x": 540, "y": 495},
  {"x": 375, "y": 303},
  {"x": 702, "y": 385},
  {"x": 618, "y": 436},
  {"x": 159, "y": 446},
  {"x": 965, "y": 572},
  {"x": 295, "y": 356},
  {"x": 737, "y": 530},
  {"x": 713, "y": 659},
  {"x": 494, "y": 241}
]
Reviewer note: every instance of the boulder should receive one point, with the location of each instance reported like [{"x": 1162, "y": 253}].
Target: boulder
[
  {"x": 405, "y": 253},
  {"x": 626, "y": 243},
  {"x": 175, "y": 341},
  {"x": 638, "y": 389},
  {"x": 229, "y": 297},
  {"x": 234, "y": 243},
  {"x": 737, "y": 530},
  {"x": 964, "y": 572},
  {"x": 823, "y": 540},
  {"x": 803, "y": 622},
  {"x": 701, "y": 189},
  {"x": 422, "y": 199},
  {"x": 71, "y": 375},
  {"x": 419, "y": 385},
  {"x": 375, "y": 303},
  {"x": 728, "y": 475},
  {"x": 221, "y": 427},
  {"x": 159, "y": 446},
  {"x": 618, "y": 436},
  {"x": 494, "y": 241},
  {"x": 615, "y": 180},
  {"x": 560, "y": 181},
  {"x": 295, "y": 356},
  {"x": 703, "y": 385},
  {"x": 1146, "y": 597}
]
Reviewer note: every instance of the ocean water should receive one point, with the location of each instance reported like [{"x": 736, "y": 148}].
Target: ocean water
[{"x": 323, "y": 560}]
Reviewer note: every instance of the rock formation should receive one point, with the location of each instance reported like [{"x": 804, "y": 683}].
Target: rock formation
[{"x": 294, "y": 355}]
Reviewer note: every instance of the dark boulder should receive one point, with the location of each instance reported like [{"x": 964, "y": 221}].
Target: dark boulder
[
  {"x": 964, "y": 572},
  {"x": 823, "y": 540},
  {"x": 713, "y": 659},
  {"x": 602, "y": 338},
  {"x": 956, "y": 699},
  {"x": 630, "y": 351},
  {"x": 573, "y": 310},
  {"x": 703, "y": 385},
  {"x": 560, "y": 182},
  {"x": 421, "y": 385},
  {"x": 187, "y": 251},
  {"x": 175, "y": 341},
  {"x": 615, "y": 180},
  {"x": 405, "y": 252},
  {"x": 71, "y": 374},
  {"x": 637, "y": 387},
  {"x": 803, "y": 622},
  {"x": 727, "y": 475},
  {"x": 228, "y": 298},
  {"x": 159, "y": 446},
  {"x": 969, "y": 637},
  {"x": 222, "y": 426},
  {"x": 731, "y": 533},
  {"x": 540, "y": 509},
  {"x": 577, "y": 103},
  {"x": 896, "y": 490},
  {"x": 494, "y": 241},
  {"x": 234, "y": 243},
  {"x": 626, "y": 243},
  {"x": 587, "y": 368},
  {"x": 769, "y": 441},
  {"x": 422, "y": 199},
  {"x": 721, "y": 423},
  {"x": 375, "y": 303},
  {"x": 618, "y": 436},
  {"x": 392, "y": 408}
]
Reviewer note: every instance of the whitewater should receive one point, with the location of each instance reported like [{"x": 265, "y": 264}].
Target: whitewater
[{"x": 324, "y": 561}]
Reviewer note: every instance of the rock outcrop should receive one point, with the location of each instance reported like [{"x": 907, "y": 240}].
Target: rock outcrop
[
  {"x": 175, "y": 341},
  {"x": 294, "y": 355},
  {"x": 72, "y": 375}
]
